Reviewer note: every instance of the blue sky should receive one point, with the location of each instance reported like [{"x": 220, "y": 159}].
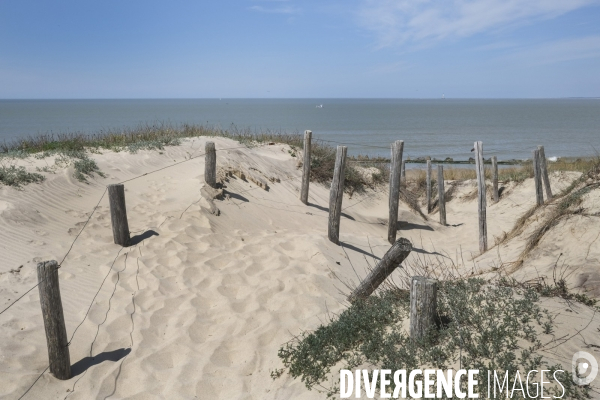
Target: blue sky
[{"x": 292, "y": 48}]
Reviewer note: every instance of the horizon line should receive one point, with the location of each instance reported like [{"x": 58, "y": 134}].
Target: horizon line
[{"x": 299, "y": 98}]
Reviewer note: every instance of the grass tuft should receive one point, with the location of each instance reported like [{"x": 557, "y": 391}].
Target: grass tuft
[
  {"x": 18, "y": 176},
  {"x": 158, "y": 136},
  {"x": 72, "y": 149}
]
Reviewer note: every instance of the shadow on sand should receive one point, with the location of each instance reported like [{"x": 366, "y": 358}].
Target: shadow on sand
[
  {"x": 141, "y": 237},
  {"x": 82, "y": 365}
]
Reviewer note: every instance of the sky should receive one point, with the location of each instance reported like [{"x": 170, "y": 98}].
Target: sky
[{"x": 299, "y": 49}]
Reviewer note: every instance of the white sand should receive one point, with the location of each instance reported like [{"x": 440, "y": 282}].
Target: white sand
[{"x": 202, "y": 304}]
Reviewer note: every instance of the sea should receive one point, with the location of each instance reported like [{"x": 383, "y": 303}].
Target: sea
[{"x": 439, "y": 128}]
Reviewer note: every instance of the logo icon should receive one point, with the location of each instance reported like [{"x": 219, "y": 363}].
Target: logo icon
[{"x": 580, "y": 368}]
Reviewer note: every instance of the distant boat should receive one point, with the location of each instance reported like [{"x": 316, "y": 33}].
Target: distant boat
[
  {"x": 443, "y": 97},
  {"x": 320, "y": 106}
]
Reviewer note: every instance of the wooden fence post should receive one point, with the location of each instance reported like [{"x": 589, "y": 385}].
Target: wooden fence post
[
  {"x": 545, "y": 173},
  {"x": 403, "y": 172},
  {"x": 306, "y": 167},
  {"x": 336, "y": 194},
  {"x": 495, "y": 178},
  {"x": 118, "y": 214},
  {"x": 428, "y": 185},
  {"x": 481, "y": 198},
  {"x": 441, "y": 195},
  {"x": 388, "y": 263},
  {"x": 54, "y": 320},
  {"x": 395, "y": 170},
  {"x": 210, "y": 164},
  {"x": 423, "y": 306},
  {"x": 537, "y": 176}
]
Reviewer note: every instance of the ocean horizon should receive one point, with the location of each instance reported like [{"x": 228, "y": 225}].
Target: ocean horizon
[{"x": 440, "y": 128}]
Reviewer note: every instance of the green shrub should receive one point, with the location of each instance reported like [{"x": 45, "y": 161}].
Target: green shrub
[
  {"x": 83, "y": 166},
  {"x": 17, "y": 176},
  {"x": 86, "y": 167},
  {"x": 481, "y": 326}
]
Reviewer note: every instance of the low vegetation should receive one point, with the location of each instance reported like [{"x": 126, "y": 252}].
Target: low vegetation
[
  {"x": 83, "y": 166},
  {"x": 514, "y": 173},
  {"x": 482, "y": 325},
  {"x": 75, "y": 146},
  {"x": 73, "y": 149},
  {"x": 18, "y": 176}
]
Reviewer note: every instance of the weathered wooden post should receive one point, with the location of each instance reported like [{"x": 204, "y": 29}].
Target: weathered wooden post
[
  {"x": 495, "y": 179},
  {"x": 54, "y": 320},
  {"x": 306, "y": 167},
  {"x": 537, "y": 176},
  {"x": 481, "y": 199},
  {"x": 545, "y": 177},
  {"x": 118, "y": 214},
  {"x": 210, "y": 164},
  {"x": 336, "y": 194},
  {"x": 388, "y": 263},
  {"x": 441, "y": 195},
  {"x": 395, "y": 170},
  {"x": 428, "y": 185},
  {"x": 403, "y": 172},
  {"x": 423, "y": 306}
]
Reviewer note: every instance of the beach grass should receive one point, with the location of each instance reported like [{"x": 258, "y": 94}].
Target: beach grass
[
  {"x": 156, "y": 136},
  {"x": 567, "y": 203},
  {"x": 73, "y": 148},
  {"x": 513, "y": 173}
]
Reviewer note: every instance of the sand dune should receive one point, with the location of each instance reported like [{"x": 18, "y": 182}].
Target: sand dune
[{"x": 200, "y": 304}]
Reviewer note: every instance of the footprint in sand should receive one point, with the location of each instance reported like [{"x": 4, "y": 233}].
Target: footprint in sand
[
  {"x": 78, "y": 214},
  {"x": 74, "y": 231}
]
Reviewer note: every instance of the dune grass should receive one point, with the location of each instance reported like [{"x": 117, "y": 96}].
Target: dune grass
[
  {"x": 75, "y": 146},
  {"x": 515, "y": 173},
  {"x": 566, "y": 204},
  {"x": 147, "y": 136},
  {"x": 73, "y": 149}
]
